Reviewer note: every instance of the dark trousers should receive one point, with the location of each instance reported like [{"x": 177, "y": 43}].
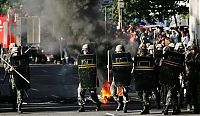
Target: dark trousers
[
  {"x": 114, "y": 92},
  {"x": 81, "y": 95},
  {"x": 16, "y": 95},
  {"x": 192, "y": 94},
  {"x": 144, "y": 97}
]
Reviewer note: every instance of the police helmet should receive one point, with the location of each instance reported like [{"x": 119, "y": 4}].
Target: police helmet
[
  {"x": 119, "y": 48},
  {"x": 179, "y": 46},
  {"x": 14, "y": 50},
  {"x": 150, "y": 47},
  {"x": 85, "y": 46},
  {"x": 171, "y": 45},
  {"x": 142, "y": 46},
  {"x": 159, "y": 46},
  {"x": 148, "y": 44}
]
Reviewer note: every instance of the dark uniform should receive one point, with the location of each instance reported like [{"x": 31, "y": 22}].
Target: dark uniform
[
  {"x": 182, "y": 77},
  {"x": 170, "y": 71},
  {"x": 87, "y": 78},
  {"x": 121, "y": 69},
  {"x": 18, "y": 83},
  {"x": 157, "y": 56},
  {"x": 144, "y": 73},
  {"x": 192, "y": 89}
]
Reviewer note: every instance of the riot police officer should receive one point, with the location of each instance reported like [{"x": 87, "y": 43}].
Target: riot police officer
[
  {"x": 84, "y": 86},
  {"x": 170, "y": 91},
  {"x": 143, "y": 94},
  {"x": 116, "y": 82},
  {"x": 144, "y": 75},
  {"x": 17, "y": 67},
  {"x": 180, "y": 48},
  {"x": 193, "y": 63},
  {"x": 157, "y": 69}
]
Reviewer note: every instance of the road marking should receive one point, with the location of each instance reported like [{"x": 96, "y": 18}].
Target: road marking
[{"x": 109, "y": 114}]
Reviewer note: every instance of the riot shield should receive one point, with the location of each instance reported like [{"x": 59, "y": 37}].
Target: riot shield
[
  {"x": 144, "y": 73},
  {"x": 87, "y": 71},
  {"x": 21, "y": 64},
  {"x": 121, "y": 68},
  {"x": 172, "y": 66}
]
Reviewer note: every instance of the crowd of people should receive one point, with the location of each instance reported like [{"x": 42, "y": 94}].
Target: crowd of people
[{"x": 156, "y": 42}]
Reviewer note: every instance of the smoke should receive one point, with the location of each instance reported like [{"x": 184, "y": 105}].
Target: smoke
[{"x": 77, "y": 21}]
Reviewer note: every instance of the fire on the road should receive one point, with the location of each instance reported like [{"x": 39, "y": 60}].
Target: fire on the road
[{"x": 106, "y": 94}]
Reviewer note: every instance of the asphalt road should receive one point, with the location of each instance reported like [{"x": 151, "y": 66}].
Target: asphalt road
[{"x": 70, "y": 109}]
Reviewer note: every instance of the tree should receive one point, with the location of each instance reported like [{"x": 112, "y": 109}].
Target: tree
[
  {"x": 161, "y": 9},
  {"x": 3, "y": 6},
  {"x": 5, "y": 3}
]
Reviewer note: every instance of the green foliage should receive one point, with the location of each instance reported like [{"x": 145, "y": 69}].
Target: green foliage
[
  {"x": 161, "y": 9},
  {"x": 5, "y": 3},
  {"x": 3, "y": 6}
]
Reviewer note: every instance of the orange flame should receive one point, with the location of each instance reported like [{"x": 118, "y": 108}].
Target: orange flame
[{"x": 106, "y": 94}]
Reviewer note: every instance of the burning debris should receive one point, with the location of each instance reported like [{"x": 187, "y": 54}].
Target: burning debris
[{"x": 106, "y": 95}]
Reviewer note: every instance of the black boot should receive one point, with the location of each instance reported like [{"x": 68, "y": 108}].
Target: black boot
[
  {"x": 158, "y": 104},
  {"x": 125, "y": 108},
  {"x": 189, "y": 107},
  {"x": 145, "y": 109},
  {"x": 81, "y": 109},
  {"x": 120, "y": 106},
  {"x": 165, "y": 111},
  {"x": 176, "y": 110},
  {"x": 19, "y": 108},
  {"x": 98, "y": 106},
  {"x": 14, "y": 109},
  {"x": 195, "y": 111}
]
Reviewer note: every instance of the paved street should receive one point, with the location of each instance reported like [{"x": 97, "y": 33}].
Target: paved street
[{"x": 55, "y": 109}]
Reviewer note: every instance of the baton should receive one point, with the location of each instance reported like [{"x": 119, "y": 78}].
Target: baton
[
  {"x": 27, "y": 50},
  {"x": 15, "y": 71}
]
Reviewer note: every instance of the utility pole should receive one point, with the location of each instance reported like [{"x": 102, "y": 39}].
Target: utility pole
[
  {"x": 105, "y": 21},
  {"x": 120, "y": 13}
]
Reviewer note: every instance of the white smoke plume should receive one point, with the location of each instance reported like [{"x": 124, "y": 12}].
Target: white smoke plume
[{"x": 77, "y": 21}]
